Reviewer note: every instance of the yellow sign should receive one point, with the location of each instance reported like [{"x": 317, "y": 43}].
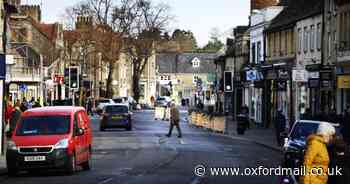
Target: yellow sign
[{"x": 343, "y": 82}]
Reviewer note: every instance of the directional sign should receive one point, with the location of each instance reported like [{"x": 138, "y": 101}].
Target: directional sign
[{"x": 23, "y": 87}]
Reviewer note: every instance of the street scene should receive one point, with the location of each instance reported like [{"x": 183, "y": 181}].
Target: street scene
[{"x": 163, "y": 91}]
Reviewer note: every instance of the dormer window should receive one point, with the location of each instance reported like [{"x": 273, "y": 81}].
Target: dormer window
[{"x": 196, "y": 62}]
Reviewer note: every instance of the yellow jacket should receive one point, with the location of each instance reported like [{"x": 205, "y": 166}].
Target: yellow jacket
[{"x": 316, "y": 156}]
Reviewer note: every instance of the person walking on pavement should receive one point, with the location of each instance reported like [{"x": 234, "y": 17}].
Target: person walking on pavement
[
  {"x": 280, "y": 126},
  {"x": 24, "y": 105},
  {"x": 15, "y": 117},
  {"x": 174, "y": 120},
  {"x": 317, "y": 156}
]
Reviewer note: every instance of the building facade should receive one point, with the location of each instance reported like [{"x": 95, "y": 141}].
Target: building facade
[
  {"x": 259, "y": 20},
  {"x": 188, "y": 76}
]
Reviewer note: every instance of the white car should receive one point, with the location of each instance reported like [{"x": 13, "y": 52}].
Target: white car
[{"x": 102, "y": 103}]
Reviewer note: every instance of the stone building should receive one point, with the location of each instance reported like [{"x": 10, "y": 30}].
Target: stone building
[
  {"x": 189, "y": 76},
  {"x": 29, "y": 51}
]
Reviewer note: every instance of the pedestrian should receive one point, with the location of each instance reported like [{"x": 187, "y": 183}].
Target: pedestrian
[
  {"x": 307, "y": 115},
  {"x": 174, "y": 120},
  {"x": 15, "y": 116},
  {"x": 8, "y": 114},
  {"x": 37, "y": 103},
  {"x": 89, "y": 107},
  {"x": 317, "y": 156},
  {"x": 24, "y": 104},
  {"x": 31, "y": 103},
  {"x": 280, "y": 126}
]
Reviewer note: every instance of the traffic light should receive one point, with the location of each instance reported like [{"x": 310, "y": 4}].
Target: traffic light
[
  {"x": 66, "y": 77},
  {"x": 228, "y": 78},
  {"x": 73, "y": 77}
]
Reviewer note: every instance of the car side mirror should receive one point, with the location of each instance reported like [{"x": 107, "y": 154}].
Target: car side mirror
[
  {"x": 99, "y": 112},
  {"x": 80, "y": 132}
]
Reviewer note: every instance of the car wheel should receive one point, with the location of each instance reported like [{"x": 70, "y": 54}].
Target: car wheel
[
  {"x": 102, "y": 129},
  {"x": 87, "y": 165},
  {"x": 12, "y": 171},
  {"x": 71, "y": 165}
]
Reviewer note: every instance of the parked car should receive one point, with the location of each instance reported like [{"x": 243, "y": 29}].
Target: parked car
[
  {"x": 51, "y": 138},
  {"x": 163, "y": 101},
  {"x": 295, "y": 144},
  {"x": 116, "y": 116},
  {"x": 103, "y": 102}
]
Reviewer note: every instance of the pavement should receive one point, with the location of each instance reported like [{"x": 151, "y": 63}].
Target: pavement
[
  {"x": 263, "y": 136},
  {"x": 3, "y": 169}
]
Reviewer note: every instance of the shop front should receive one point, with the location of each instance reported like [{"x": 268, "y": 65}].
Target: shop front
[{"x": 343, "y": 92}]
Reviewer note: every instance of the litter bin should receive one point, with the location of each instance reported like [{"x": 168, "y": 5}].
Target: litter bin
[{"x": 242, "y": 124}]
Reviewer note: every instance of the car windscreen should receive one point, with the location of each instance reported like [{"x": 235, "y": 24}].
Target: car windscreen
[
  {"x": 103, "y": 101},
  {"x": 303, "y": 130},
  {"x": 161, "y": 99},
  {"x": 118, "y": 100},
  {"x": 43, "y": 125},
  {"x": 117, "y": 109}
]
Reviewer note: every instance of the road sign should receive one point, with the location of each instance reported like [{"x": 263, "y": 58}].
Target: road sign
[{"x": 23, "y": 87}]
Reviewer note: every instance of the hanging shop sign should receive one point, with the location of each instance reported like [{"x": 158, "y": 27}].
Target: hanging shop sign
[
  {"x": 252, "y": 75},
  {"x": 2, "y": 66},
  {"x": 326, "y": 78},
  {"x": 283, "y": 75},
  {"x": 300, "y": 76},
  {"x": 343, "y": 82}
]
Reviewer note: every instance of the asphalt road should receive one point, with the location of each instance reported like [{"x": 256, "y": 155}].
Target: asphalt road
[{"x": 145, "y": 155}]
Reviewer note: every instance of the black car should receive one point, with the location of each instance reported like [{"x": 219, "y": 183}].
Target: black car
[{"x": 116, "y": 116}]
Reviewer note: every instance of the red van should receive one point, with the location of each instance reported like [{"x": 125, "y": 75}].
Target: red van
[{"x": 50, "y": 138}]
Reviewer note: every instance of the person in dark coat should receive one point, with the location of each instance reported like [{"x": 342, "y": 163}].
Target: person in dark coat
[
  {"x": 89, "y": 107},
  {"x": 345, "y": 130},
  {"x": 280, "y": 126},
  {"x": 307, "y": 115}
]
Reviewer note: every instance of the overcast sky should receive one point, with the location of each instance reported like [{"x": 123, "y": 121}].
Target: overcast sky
[{"x": 199, "y": 16}]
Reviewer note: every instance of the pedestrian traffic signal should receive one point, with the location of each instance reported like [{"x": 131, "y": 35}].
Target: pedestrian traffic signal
[
  {"x": 66, "y": 77},
  {"x": 228, "y": 78},
  {"x": 73, "y": 77}
]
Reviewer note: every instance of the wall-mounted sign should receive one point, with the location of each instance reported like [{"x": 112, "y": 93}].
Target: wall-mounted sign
[
  {"x": 300, "y": 76},
  {"x": 314, "y": 83},
  {"x": 343, "y": 82}
]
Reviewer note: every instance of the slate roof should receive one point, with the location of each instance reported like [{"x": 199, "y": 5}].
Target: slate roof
[
  {"x": 182, "y": 63},
  {"x": 295, "y": 11}
]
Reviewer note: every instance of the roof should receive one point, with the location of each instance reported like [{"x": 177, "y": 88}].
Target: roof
[
  {"x": 182, "y": 63},
  {"x": 50, "y": 30},
  {"x": 53, "y": 110},
  {"x": 295, "y": 11}
]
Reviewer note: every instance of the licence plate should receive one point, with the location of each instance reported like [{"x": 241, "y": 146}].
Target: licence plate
[
  {"x": 34, "y": 158},
  {"x": 116, "y": 118}
]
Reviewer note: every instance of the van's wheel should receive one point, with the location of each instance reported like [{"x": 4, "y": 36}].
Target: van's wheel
[
  {"x": 12, "y": 171},
  {"x": 87, "y": 165},
  {"x": 71, "y": 165}
]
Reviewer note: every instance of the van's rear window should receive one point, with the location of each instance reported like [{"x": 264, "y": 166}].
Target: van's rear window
[{"x": 43, "y": 125}]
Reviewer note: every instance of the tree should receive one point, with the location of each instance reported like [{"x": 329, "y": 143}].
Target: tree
[
  {"x": 185, "y": 39},
  {"x": 214, "y": 44},
  {"x": 142, "y": 22},
  {"x": 101, "y": 35}
]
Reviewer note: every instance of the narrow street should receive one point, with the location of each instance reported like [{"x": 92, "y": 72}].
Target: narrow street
[{"x": 146, "y": 156}]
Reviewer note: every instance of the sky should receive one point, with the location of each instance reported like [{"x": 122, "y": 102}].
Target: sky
[{"x": 199, "y": 16}]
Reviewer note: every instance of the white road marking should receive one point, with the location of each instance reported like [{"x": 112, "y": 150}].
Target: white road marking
[{"x": 106, "y": 181}]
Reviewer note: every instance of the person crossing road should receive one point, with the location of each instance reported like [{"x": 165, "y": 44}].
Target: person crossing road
[{"x": 174, "y": 120}]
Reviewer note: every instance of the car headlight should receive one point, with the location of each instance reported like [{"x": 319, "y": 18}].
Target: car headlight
[
  {"x": 62, "y": 144},
  {"x": 11, "y": 145}
]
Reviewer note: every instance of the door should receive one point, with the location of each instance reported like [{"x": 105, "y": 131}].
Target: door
[{"x": 78, "y": 140}]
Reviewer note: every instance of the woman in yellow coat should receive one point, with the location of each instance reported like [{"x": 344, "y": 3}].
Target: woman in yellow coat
[{"x": 316, "y": 159}]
